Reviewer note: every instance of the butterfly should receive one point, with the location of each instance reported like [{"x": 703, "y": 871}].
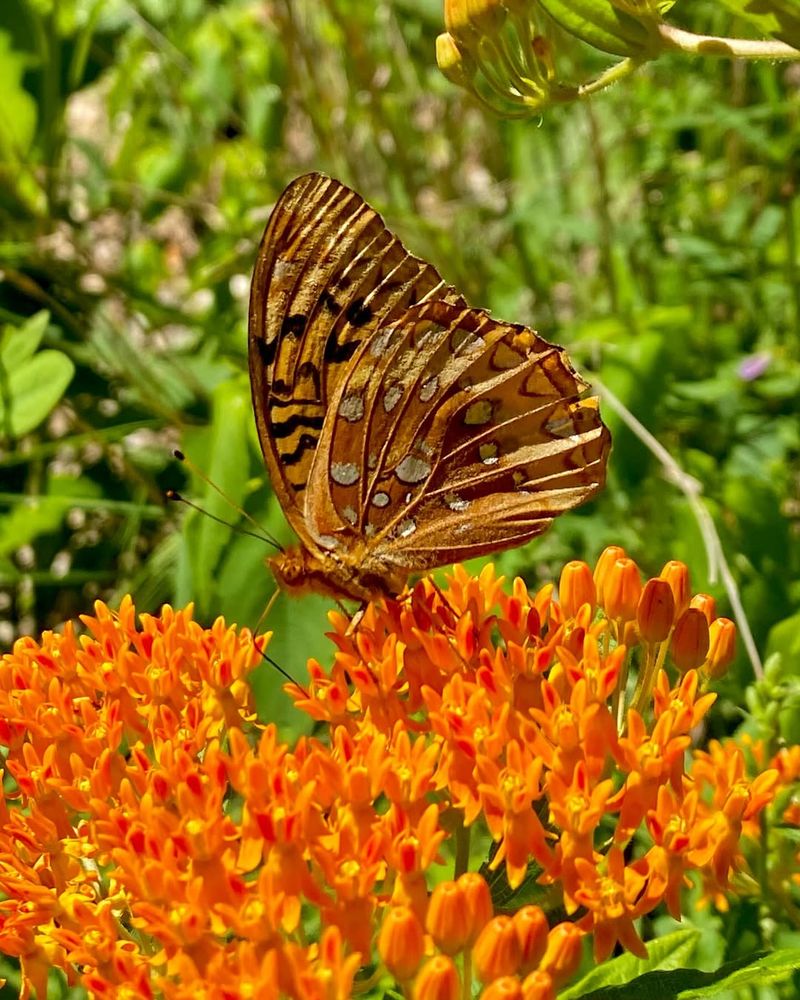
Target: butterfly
[{"x": 402, "y": 428}]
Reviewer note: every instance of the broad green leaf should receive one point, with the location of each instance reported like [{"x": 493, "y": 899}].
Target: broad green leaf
[
  {"x": 32, "y": 390},
  {"x": 17, "y": 345},
  {"x": 692, "y": 984},
  {"x": 601, "y": 25},
  {"x": 669, "y": 952}
]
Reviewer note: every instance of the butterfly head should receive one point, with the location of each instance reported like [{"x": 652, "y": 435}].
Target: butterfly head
[{"x": 299, "y": 571}]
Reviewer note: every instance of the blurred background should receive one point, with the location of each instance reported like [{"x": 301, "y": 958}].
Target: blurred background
[{"x": 654, "y": 231}]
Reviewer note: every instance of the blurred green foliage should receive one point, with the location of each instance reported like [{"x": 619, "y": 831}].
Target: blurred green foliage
[{"x": 654, "y": 231}]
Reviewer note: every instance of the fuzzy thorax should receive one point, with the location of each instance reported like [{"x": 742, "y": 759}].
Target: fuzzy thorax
[{"x": 299, "y": 571}]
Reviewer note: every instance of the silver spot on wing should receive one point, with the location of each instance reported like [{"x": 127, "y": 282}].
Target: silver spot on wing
[{"x": 344, "y": 473}]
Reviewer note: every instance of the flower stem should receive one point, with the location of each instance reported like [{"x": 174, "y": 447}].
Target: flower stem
[
  {"x": 462, "y": 850},
  {"x": 713, "y": 45}
]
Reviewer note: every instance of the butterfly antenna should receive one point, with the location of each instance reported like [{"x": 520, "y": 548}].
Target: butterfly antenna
[
  {"x": 240, "y": 510},
  {"x": 281, "y": 671},
  {"x": 179, "y": 498},
  {"x": 267, "y": 608}
]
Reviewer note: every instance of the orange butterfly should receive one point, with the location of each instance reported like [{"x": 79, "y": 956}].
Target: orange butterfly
[{"x": 402, "y": 429}]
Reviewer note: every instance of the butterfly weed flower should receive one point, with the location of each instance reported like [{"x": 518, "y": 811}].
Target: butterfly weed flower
[{"x": 157, "y": 839}]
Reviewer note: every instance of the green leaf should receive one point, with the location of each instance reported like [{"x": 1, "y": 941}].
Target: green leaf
[
  {"x": 32, "y": 390},
  {"x": 601, "y": 25},
  {"x": 779, "y": 18},
  {"x": 20, "y": 343},
  {"x": 18, "y": 108},
  {"x": 669, "y": 952},
  {"x": 222, "y": 453},
  {"x": 692, "y": 984}
]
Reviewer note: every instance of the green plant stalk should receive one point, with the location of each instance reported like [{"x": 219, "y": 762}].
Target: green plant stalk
[{"x": 677, "y": 39}]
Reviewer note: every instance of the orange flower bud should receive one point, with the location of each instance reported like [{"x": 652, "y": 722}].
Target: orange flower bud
[
  {"x": 563, "y": 954},
  {"x": 532, "y": 929},
  {"x": 608, "y": 557},
  {"x": 721, "y": 647},
  {"x": 538, "y": 986},
  {"x": 448, "y": 920},
  {"x": 437, "y": 980},
  {"x": 477, "y": 902},
  {"x": 576, "y": 588},
  {"x": 677, "y": 576},
  {"x": 497, "y": 951},
  {"x": 401, "y": 942},
  {"x": 656, "y": 610},
  {"x": 690, "y": 640},
  {"x": 623, "y": 587},
  {"x": 504, "y": 988},
  {"x": 705, "y": 603}
]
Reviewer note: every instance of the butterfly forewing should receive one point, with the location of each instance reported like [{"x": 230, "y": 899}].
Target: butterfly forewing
[
  {"x": 327, "y": 273},
  {"x": 402, "y": 429}
]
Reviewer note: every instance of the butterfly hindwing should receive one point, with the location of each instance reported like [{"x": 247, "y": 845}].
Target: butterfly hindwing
[
  {"x": 455, "y": 435},
  {"x": 328, "y": 272}
]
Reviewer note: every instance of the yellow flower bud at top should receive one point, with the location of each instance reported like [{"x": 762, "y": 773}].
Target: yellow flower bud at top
[
  {"x": 466, "y": 18},
  {"x": 455, "y": 65},
  {"x": 576, "y": 588},
  {"x": 690, "y": 640},
  {"x": 721, "y": 648},
  {"x": 401, "y": 942},
  {"x": 497, "y": 951},
  {"x": 437, "y": 980},
  {"x": 655, "y": 612}
]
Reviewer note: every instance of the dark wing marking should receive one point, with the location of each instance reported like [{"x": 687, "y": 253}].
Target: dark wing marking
[{"x": 328, "y": 274}]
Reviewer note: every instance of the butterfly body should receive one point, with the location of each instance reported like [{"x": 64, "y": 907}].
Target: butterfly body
[{"x": 402, "y": 429}]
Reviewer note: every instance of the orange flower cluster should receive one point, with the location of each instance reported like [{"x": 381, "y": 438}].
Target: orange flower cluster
[{"x": 155, "y": 844}]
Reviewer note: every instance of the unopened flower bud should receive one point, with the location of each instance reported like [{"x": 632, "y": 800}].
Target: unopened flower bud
[
  {"x": 690, "y": 640},
  {"x": 538, "y": 986},
  {"x": 608, "y": 557},
  {"x": 622, "y": 590},
  {"x": 504, "y": 988},
  {"x": 456, "y": 66},
  {"x": 401, "y": 942},
  {"x": 576, "y": 588},
  {"x": 677, "y": 576},
  {"x": 497, "y": 951},
  {"x": 448, "y": 920},
  {"x": 655, "y": 612},
  {"x": 705, "y": 603},
  {"x": 437, "y": 980},
  {"x": 563, "y": 954},
  {"x": 721, "y": 647},
  {"x": 532, "y": 928},
  {"x": 466, "y": 19},
  {"x": 477, "y": 901}
]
